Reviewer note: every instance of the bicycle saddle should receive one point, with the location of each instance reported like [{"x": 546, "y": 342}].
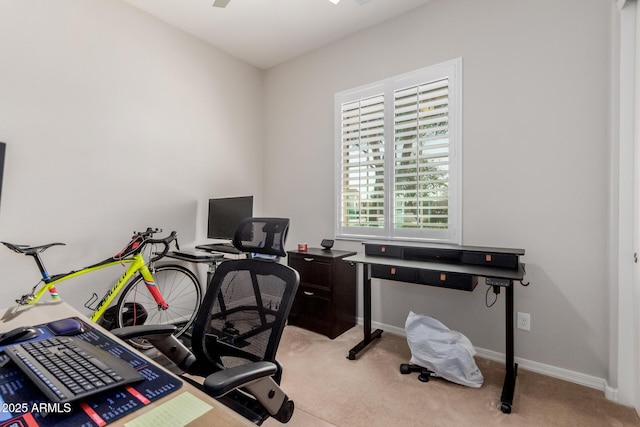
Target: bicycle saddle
[{"x": 29, "y": 250}]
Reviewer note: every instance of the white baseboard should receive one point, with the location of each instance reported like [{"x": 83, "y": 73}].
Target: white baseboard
[
  {"x": 549, "y": 370},
  {"x": 611, "y": 393},
  {"x": 529, "y": 365}
]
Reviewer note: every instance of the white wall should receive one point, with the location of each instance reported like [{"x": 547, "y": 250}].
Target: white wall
[
  {"x": 537, "y": 175},
  {"x": 114, "y": 122}
]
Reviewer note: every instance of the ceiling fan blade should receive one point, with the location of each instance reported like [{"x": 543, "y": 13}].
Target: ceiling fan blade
[
  {"x": 220, "y": 3},
  {"x": 360, "y": 2}
]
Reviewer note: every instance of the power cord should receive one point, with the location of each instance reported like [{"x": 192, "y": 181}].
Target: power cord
[{"x": 496, "y": 291}]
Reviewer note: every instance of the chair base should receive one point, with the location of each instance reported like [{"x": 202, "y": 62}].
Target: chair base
[{"x": 425, "y": 374}]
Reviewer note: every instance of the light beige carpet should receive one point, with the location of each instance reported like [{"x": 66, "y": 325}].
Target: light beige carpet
[{"x": 330, "y": 390}]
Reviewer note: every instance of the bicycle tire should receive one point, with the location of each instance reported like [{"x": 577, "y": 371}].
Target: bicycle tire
[{"x": 179, "y": 287}]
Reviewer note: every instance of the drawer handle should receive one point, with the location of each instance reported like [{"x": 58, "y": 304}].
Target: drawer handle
[
  {"x": 308, "y": 259},
  {"x": 309, "y": 294}
]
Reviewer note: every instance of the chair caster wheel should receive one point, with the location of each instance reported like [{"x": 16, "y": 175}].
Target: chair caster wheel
[
  {"x": 406, "y": 368},
  {"x": 286, "y": 412},
  {"x": 505, "y": 408},
  {"x": 424, "y": 377}
]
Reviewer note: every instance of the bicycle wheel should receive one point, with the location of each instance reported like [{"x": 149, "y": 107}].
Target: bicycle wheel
[{"x": 180, "y": 289}]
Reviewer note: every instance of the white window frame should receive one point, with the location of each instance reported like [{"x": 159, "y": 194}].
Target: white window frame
[{"x": 451, "y": 70}]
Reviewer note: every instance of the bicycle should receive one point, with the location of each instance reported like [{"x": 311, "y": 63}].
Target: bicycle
[{"x": 172, "y": 295}]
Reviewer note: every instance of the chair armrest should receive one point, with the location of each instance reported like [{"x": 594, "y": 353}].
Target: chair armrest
[
  {"x": 162, "y": 338},
  {"x": 222, "y": 382},
  {"x": 139, "y": 331},
  {"x": 257, "y": 380}
]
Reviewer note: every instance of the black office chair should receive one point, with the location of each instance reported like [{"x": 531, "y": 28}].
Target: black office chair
[{"x": 239, "y": 325}]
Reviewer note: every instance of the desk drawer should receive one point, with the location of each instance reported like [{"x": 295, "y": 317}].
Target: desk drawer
[
  {"x": 432, "y": 254},
  {"x": 383, "y": 250},
  {"x": 311, "y": 302},
  {"x": 490, "y": 259},
  {"x": 311, "y": 305},
  {"x": 312, "y": 270},
  {"x": 401, "y": 274},
  {"x": 459, "y": 281}
]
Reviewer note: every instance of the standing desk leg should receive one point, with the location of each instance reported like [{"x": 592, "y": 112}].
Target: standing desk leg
[
  {"x": 511, "y": 367},
  {"x": 366, "y": 307}
]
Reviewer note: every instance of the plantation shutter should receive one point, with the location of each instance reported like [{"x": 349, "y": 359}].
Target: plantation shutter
[
  {"x": 398, "y": 152},
  {"x": 362, "y": 163},
  {"x": 421, "y": 156}
]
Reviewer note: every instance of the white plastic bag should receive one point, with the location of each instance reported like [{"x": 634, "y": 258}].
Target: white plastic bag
[{"x": 447, "y": 353}]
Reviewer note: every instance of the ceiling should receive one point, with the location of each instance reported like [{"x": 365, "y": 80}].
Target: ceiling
[{"x": 265, "y": 33}]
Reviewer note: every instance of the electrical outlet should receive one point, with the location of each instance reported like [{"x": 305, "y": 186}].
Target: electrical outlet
[{"x": 524, "y": 321}]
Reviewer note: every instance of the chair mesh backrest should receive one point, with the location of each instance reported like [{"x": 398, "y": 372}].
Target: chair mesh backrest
[
  {"x": 262, "y": 235},
  {"x": 244, "y": 311}
]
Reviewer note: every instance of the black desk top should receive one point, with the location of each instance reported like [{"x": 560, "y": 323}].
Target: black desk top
[
  {"x": 474, "y": 270},
  {"x": 331, "y": 253},
  {"x": 447, "y": 246},
  {"x": 207, "y": 258}
]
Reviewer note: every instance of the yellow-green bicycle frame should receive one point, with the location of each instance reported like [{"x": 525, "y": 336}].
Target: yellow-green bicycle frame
[
  {"x": 180, "y": 285},
  {"x": 136, "y": 264},
  {"x": 131, "y": 255}
]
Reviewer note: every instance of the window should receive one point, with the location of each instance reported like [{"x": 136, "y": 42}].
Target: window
[{"x": 399, "y": 157}]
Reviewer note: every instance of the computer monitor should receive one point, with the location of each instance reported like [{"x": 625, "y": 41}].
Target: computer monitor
[{"x": 225, "y": 215}]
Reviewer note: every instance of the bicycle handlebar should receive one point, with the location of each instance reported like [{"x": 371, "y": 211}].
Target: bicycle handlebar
[
  {"x": 149, "y": 232},
  {"x": 166, "y": 242},
  {"x": 173, "y": 237}
]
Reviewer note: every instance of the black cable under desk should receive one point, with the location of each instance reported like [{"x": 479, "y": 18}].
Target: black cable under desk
[{"x": 448, "y": 266}]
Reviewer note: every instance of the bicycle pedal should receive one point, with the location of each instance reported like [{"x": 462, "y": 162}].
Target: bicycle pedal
[{"x": 24, "y": 300}]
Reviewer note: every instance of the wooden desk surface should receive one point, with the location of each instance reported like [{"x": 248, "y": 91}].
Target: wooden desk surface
[{"x": 218, "y": 415}]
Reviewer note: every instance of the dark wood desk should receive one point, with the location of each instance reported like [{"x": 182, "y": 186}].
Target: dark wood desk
[{"x": 449, "y": 266}]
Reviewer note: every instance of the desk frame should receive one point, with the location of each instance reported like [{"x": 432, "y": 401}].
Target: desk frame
[
  {"x": 511, "y": 368},
  {"x": 211, "y": 261}
]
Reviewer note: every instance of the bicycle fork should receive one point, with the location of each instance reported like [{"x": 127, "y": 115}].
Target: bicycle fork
[
  {"x": 153, "y": 289},
  {"x": 138, "y": 264}
]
